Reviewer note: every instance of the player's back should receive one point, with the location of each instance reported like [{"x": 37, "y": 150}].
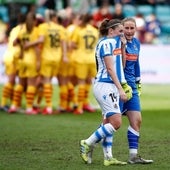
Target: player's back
[
  {"x": 86, "y": 39},
  {"x": 53, "y": 35}
]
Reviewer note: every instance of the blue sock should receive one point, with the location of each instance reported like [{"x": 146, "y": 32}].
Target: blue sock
[{"x": 133, "y": 138}]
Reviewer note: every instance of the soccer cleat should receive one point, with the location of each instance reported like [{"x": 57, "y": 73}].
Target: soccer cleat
[
  {"x": 90, "y": 153},
  {"x": 12, "y": 109},
  {"x": 88, "y": 108},
  {"x": 37, "y": 109},
  {"x": 138, "y": 160},
  {"x": 113, "y": 161},
  {"x": 78, "y": 112},
  {"x": 84, "y": 150},
  {"x": 4, "y": 108},
  {"x": 47, "y": 111},
  {"x": 60, "y": 110},
  {"x": 31, "y": 112}
]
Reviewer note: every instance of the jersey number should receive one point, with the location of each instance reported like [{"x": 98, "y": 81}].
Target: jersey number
[
  {"x": 113, "y": 97},
  {"x": 54, "y": 40},
  {"x": 89, "y": 41}
]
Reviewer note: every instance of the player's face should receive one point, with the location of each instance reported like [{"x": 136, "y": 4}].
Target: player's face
[
  {"x": 120, "y": 29},
  {"x": 117, "y": 31},
  {"x": 129, "y": 30}
]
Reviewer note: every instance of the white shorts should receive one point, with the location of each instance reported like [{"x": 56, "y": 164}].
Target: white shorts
[{"x": 107, "y": 97}]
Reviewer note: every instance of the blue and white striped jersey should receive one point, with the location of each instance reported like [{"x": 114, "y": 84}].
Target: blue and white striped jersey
[{"x": 109, "y": 47}]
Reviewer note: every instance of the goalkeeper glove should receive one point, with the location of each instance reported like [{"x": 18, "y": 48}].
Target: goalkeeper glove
[
  {"x": 139, "y": 88},
  {"x": 128, "y": 90}
]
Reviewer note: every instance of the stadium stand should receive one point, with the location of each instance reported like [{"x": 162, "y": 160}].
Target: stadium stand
[
  {"x": 129, "y": 10},
  {"x": 4, "y": 13},
  {"x": 162, "y": 12},
  {"x": 145, "y": 10}
]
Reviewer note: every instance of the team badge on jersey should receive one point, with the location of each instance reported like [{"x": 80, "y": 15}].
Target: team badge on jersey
[
  {"x": 106, "y": 48},
  {"x": 115, "y": 106}
]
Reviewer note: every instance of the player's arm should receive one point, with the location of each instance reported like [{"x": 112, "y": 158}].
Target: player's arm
[
  {"x": 64, "y": 50},
  {"x": 109, "y": 63},
  {"x": 39, "y": 41},
  {"x": 74, "y": 39},
  {"x": 110, "y": 68}
]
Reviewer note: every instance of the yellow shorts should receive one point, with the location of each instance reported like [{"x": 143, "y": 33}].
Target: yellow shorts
[
  {"x": 63, "y": 69},
  {"x": 49, "y": 68},
  {"x": 27, "y": 69},
  {"x": 10, "y": 68},
  {"x": 83, "y": 71}
]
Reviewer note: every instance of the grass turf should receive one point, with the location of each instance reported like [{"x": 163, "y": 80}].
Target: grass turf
[{"x": 52, "y": 142}]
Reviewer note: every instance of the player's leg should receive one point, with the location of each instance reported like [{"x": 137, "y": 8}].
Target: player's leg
[
  {"x": 7, "y": 91},
  {"x": 134, "y": 116},
  {"x": 31, "y": 74},
  {"x": 46, "y": 71},
  {"x": 63, "y": 87},
  {"x": 81, "y": 74},
  {"x": 17, "y": 95},
  {"x": 92, "y": 73}
]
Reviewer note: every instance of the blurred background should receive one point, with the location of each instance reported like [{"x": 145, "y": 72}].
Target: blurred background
[{"x": 152, "y": 18}]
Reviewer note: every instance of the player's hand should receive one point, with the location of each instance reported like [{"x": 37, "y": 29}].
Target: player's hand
[
  {"x": 128, "y": 90},
  {"x": 123, "y": 95},
  {"x": 139, "y": 88}
]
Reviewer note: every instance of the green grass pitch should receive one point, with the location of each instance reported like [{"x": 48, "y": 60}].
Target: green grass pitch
[{"x": 52, "y": 142}]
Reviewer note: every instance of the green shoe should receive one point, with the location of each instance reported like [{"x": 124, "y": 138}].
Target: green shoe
[
  {"x": 84, "y": 149},
  {"x": 113, "y": 161}
]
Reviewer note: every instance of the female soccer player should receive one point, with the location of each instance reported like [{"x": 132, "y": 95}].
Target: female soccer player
[
  {"x": 10, "y": 62},
  {"x": 132, "y": 107},
  {"x": 28, "y": 70},
  {"x": 107, "y": 89},
  {"x": 84, "y": 40}
]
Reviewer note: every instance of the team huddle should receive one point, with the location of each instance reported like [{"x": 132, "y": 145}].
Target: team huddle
[{"x": 39, "y": 52}]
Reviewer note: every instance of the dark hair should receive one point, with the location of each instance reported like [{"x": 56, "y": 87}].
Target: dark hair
[
  {"x": 30, "y": 18},
  {"x": 85, "y": 18},
  {"x": 21, "y": 18},
  {"x": 106, "y": 24}
]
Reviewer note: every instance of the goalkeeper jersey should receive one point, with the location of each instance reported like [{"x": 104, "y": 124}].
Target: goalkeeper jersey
[{"x": 132, "y": 67}]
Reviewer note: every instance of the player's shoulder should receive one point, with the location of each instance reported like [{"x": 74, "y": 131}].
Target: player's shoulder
[
  {"x": 105, "y": 41},
  {"x": 136, "y": 41}
]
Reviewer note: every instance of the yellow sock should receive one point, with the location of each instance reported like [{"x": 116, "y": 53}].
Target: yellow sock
[
  {"x": 17, "y": 95},
  {"x": 6, "y": 94},
  {"x": 63, "y": 103},
  {"x": 71, "y": 94},
  {"x": 39, "y": 95},
  {"x": 86, "y": 97},
  {"x": 80, "y": 96},
  {"x": 30, "y": 93},
  {"x": 47, "y": 92}
]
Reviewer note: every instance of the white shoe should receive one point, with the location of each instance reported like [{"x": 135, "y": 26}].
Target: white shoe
[{"x": 139, "y": 160}]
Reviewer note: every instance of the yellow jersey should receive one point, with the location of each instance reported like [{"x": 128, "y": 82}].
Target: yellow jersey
[
  {"x": 86, "y": 39},
  {"x": 12, "y": 52},
  {"x": 29, "y": 55},
  {"x": 53, "y": 35}
]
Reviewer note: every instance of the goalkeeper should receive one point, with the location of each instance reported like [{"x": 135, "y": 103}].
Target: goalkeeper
[{"x": 132, "y": 107}]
